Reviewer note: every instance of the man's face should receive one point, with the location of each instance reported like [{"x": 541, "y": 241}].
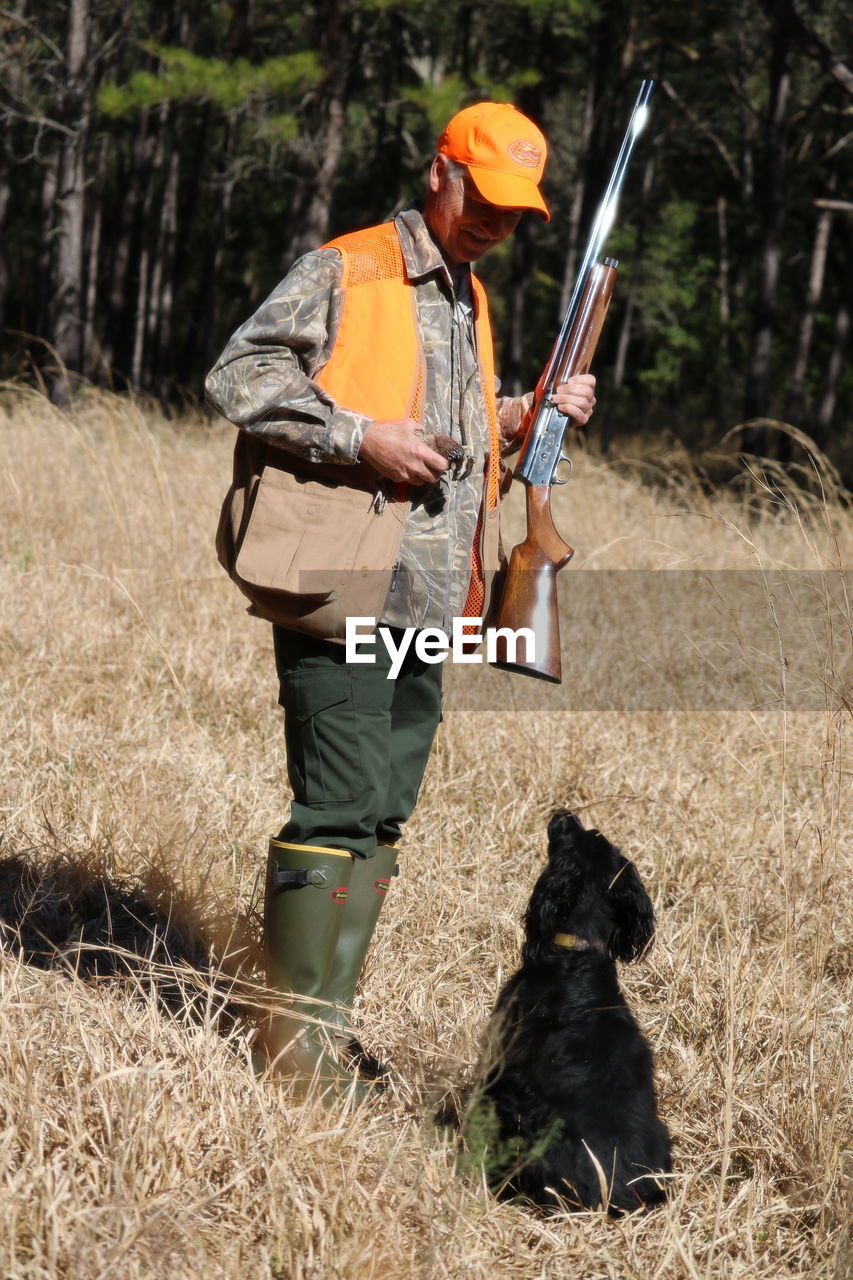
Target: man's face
[{"x": 464, "y": 224}]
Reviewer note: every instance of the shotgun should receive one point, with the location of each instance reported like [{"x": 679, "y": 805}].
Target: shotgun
[{"x": 529, "y": 597}]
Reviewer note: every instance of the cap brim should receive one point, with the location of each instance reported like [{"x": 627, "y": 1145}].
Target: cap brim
[{"x": 508, "y": 191}]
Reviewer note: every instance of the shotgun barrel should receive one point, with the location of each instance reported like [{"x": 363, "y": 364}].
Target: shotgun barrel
[{"x": 529, "y": 597}]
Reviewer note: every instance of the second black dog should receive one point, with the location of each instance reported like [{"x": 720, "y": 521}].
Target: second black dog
[{"x": 567, "y": 1112}]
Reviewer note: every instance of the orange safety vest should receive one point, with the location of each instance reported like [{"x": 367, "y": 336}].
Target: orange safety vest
[{"x": 377, "y": 365}]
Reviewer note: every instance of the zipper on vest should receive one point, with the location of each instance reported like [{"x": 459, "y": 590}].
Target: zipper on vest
[{"x": 394, "y": 572}]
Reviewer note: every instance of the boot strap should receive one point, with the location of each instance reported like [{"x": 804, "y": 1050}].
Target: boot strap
[
  {"x": 304, "y": 876},
  {"x": 300, "y": 877}
]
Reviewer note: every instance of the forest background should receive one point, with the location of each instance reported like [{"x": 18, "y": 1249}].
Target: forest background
[{"x": 160, "y": 167}]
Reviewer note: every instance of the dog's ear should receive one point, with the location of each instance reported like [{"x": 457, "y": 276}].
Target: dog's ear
[{"x": 634, "y": 915}]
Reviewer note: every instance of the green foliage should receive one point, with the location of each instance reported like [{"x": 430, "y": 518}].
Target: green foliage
[
  {"x": 277, "y": 128},
  {"x": 437, "y": 102},
  {"x": 563, "y": 17},
  {"x": 399, "y": 7},
  {"x": 187, "y": 77},
  {"x": 679, "y": 303},
  {"x": 488, "y": 1154},
  {"x": 511, "y": 86}
]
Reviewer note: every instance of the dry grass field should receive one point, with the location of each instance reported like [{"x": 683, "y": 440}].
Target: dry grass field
[{"x": 142, "y": 773}]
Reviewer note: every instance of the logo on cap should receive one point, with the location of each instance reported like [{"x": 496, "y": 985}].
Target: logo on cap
[{"x": 524, "y": 152}]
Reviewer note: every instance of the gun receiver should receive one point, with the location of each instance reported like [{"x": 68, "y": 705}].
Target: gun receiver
[{"x": 530, "y": 590}]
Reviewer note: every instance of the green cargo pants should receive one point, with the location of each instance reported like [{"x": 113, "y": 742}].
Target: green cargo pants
[{"x": 357, "y": 743}]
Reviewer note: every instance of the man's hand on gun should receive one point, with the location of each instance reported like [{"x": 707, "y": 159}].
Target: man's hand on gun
[{"x": 576, "y": 398}]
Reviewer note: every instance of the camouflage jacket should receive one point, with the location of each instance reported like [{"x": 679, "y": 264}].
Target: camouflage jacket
[{"x": 263, "y": 382}]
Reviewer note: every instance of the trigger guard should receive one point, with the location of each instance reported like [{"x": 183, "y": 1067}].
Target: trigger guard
[{"x": 567, "y": 477}]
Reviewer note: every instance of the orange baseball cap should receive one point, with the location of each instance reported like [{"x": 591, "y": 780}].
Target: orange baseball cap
[{"x": 503, "y": 151}]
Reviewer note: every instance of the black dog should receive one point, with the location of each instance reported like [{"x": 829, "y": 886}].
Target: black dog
[{"x": 567, "y": 1112}]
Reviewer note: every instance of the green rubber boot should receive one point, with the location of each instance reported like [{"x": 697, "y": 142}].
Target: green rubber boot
[
  {"x": 306, "y": 893},
  {"x": 368, "y": 886}
]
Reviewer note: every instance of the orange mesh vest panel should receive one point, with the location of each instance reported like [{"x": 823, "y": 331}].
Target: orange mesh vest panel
[{"x": 377, "y": 365}]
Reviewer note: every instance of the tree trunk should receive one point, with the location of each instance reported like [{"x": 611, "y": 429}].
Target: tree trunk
[
  {"x": 621, "y": 361},
  {"x": 756, "y": 403},
  {"x": 724, "y": 400},
  {"x": 200, "y": 339},
  {"x": 139, "y": 320},
  {"x": 94, "y": 253},
  {"x": 796, "y": 394},
  {"x": 49, "y": 182},
  {"x": 117, "y": 347},
  {"x": 518, "y": 377},
  {"x": 841, "y": 338},
  {"x": 521, "y": 266},
  {"x": 389, "y": 148},
  {"x": 462, "y": 52},
  {"x": 313, "y": 217},
  {"x": 161, "y": 342},
  {"x": 808, "y": 41},
  {"x": 744, "y": 242},
  {"x": 66, "y": 311},
  {"x": 148, "y": 287},
  {"x": 579, "y": 194},
  {"x": 5, "y": 173},
  {"x": 322, "y": 144},
  {"x": 12, "y": 76}
]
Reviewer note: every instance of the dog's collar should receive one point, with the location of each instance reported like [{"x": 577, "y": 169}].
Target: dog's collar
[{"x": 571, "y": 942}]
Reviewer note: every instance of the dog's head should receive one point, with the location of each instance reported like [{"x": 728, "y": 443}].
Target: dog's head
[{"x": 590, "y": 890}]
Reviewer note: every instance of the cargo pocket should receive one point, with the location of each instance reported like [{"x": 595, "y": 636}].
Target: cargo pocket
[{"x": 321, "y": 736}]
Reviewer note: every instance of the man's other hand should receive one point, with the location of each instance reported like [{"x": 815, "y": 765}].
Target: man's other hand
[
  {"x": 395, "y": 450},
  {"x": 576, "y": 398}
]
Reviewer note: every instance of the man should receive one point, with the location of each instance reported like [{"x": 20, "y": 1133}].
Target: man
[{"x": 366, "y": 483}]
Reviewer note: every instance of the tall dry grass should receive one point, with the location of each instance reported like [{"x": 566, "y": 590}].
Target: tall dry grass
[{"x": 142, "y": 774}]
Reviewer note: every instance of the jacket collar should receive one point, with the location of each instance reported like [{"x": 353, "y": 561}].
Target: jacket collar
[{"x": 421, "y": 254}]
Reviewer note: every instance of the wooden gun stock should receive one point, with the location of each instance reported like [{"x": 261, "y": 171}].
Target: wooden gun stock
[{"x": 530, "y": 592}]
